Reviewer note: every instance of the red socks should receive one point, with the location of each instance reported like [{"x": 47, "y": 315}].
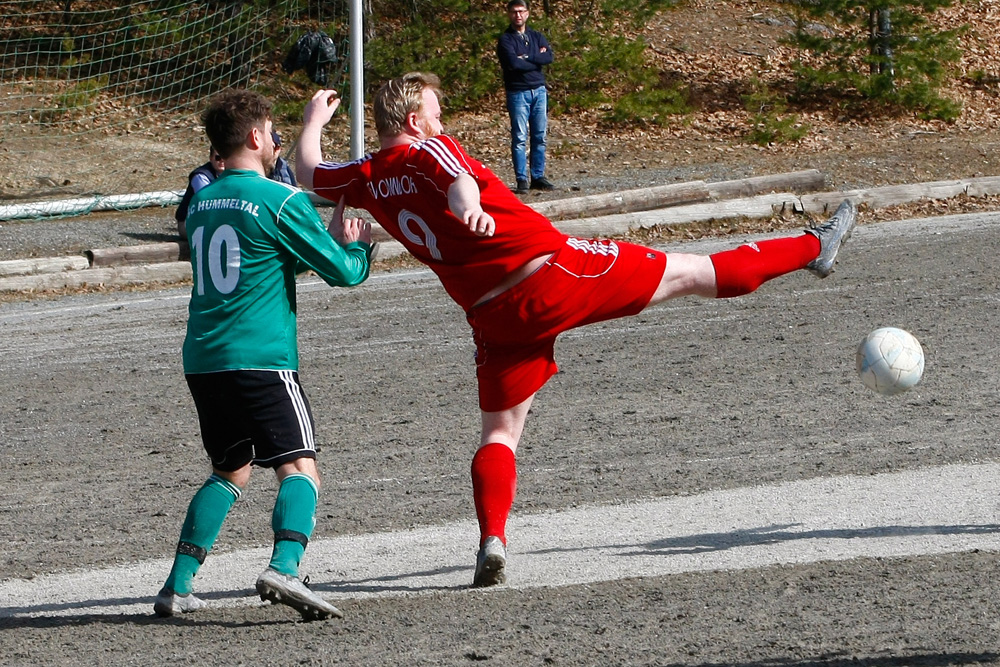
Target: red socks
[
  {"x": 744, "y": 269},
  {"x": 494, "y": 482}
]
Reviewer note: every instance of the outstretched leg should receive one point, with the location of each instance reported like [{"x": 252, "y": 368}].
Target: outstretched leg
[{"x": 742, "y": 270}]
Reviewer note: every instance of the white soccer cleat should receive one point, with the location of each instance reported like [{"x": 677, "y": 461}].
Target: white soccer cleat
[
  {"x": 278, "y": 588},
  {"x": 169, "y": 603},
  {"x": 490, "y": 563}
]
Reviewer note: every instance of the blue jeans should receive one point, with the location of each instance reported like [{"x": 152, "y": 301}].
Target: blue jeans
[{"x": 528, "y": 111}]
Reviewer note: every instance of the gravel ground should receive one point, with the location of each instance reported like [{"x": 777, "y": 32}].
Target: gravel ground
[{"x": 102, "y": 445}]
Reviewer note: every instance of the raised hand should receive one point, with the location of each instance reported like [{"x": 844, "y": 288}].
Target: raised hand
[{"x": 321, "y": 107}]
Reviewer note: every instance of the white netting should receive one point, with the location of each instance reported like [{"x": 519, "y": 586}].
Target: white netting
[{"x": 102, "y": 98}]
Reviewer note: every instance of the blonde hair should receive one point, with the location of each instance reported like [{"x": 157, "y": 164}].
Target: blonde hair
[{"x": 398, "y": 98}]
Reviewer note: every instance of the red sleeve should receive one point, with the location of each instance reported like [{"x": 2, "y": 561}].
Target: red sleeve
[
  {"x": 333, "y": 181},
  {"x": 440, "y": 160}
]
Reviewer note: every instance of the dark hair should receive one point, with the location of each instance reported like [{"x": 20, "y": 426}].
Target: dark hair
[
  {"x": 230, "y": 117},
  {"x": 517, "y": 3}
]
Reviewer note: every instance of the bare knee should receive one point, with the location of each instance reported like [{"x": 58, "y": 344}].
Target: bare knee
[
  {"x": 685, "y": 275},
  {"x": 505, "y": 427},
  {"x": 240, "y": 477},
  {"x": 303, "y": 466}
]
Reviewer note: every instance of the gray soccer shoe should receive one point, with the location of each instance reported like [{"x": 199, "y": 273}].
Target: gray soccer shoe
[
  {"x": 169, "y": 603},
  {"x": 832, "y": 234},
  {"x": 490, "y": 563},
  {"x": 279, "y": 588}
]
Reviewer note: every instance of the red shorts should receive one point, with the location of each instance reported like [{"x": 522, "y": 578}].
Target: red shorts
[{"x": 582, "y": 283}]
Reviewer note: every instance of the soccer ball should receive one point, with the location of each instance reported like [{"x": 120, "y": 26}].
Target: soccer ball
[{"x": 890, "y": 361}]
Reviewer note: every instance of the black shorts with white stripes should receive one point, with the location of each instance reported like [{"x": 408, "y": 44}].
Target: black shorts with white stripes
[{"x": 260, "y": 417}]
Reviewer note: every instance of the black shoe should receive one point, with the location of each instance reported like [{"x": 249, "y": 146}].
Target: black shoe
[
  {"x": 542, "y": 184},
  {"x": 522, "y": 188}
]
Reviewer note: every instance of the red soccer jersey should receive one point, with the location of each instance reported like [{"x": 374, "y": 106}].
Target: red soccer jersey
[{"x": 406, "y": 189}]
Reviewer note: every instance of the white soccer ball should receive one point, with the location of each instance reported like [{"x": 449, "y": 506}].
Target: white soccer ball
[{"x": 890, "y": 361}]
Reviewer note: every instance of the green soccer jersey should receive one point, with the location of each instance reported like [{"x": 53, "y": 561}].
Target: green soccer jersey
[{"x": 249, "y": 236}]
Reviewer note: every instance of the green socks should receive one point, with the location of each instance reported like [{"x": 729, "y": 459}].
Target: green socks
[
  {"x": 207, "y": 511},
  {"x": 293, "y": 520}
]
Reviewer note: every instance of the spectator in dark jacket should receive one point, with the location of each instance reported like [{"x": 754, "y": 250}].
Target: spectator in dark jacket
[
  {"x": 281, "y": 172},
  {"x": 197, "y": 179},
  {"x": 522, "y": 53}
]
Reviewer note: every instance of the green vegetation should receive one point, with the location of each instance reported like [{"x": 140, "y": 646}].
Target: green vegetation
[
  {"x": 885, "y": 53},
  {"x": 770, "y": 122},
  {"x": 601, "y": 59},
  {"x": 882, "y": 56},
  {"x": 82, "y": 94},
  {"x": 869, "y": 57}
]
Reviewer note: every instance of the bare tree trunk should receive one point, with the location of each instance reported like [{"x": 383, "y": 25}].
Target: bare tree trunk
[
  {"x": 368, "y": 23},
  {"x": 884, "y": 33},
  {"x": 880, "y": 32}
]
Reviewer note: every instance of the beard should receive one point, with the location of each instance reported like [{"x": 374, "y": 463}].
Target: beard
[
  {"x": 425, "y": 127},
  {"x": 269, "y": 160}
]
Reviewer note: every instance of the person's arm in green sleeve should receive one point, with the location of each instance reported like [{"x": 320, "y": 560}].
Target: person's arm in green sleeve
[{"x": 340, "y": 254}]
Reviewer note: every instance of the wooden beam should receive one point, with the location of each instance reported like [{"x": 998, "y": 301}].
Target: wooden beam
[
  {"x": 642, "y": 199},
  {"x": 808, "y": 180},
  {"x": 165, "y": 272},
  {"x": 893, "y": 195},
  {"x": 25, "y": 267},
  {"x": 138, "y": 254},
  {"x": 761, "y": 206}
]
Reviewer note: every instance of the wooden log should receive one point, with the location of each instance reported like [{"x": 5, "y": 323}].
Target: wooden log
[
  {"x": 808, "y": 180},
  {"x": 893, "y": 195},
  {"x": 645, "y": 199},
  {"x": 390, "y": 248},
  {"x": 599, "y": 222},
  {"x": 138, "y": 254},
  {"x": 986, "y": 185},
  {"x": 761, "y": 206},
  {"x": 166, "y": 272},
  {"x": 24, "y": 267},
  {"x": 642, "y": 199},
  {"x": 379, "y": 235}
]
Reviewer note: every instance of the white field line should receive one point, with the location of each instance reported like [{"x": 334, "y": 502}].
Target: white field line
[{"x": 929, "y": 511}]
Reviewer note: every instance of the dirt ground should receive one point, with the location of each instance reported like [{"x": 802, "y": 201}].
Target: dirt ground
[{"x": 101, "y": 450}]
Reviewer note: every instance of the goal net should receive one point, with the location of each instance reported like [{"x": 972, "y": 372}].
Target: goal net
[{"x": 100, "y": 101}]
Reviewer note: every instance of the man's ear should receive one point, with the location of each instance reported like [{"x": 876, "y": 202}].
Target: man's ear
[
  {"x": 412, "y": 125},
  {"x": 255, "y": 139}
]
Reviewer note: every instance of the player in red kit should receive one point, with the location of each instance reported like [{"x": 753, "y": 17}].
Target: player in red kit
[{"x": 520, "y": 281}]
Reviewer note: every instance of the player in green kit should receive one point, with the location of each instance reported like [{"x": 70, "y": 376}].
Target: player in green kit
[{"x": 249, "y": 237}]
